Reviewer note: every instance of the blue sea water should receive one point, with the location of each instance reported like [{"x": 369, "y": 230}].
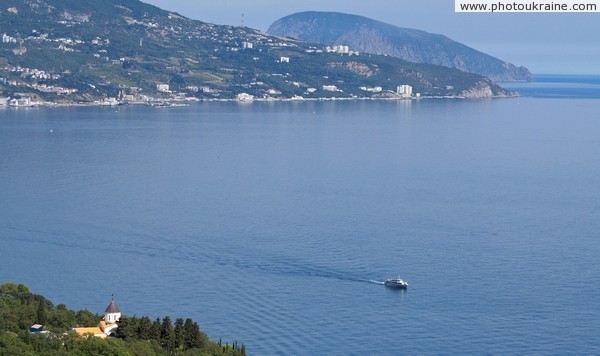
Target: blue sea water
[
  {"x": 272, "y": 223},
  {"x": 559, "y": 86}
]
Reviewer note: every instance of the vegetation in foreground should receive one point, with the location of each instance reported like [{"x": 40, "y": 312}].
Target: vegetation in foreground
[{"x": 20, "y": 309}]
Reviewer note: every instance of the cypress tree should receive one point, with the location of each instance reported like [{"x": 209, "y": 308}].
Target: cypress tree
[
  {"x": 188, "y": 334},
  {"x": 42, "y": 317},
  {"x": 167, "y": 335},
  {"x": 144, "y": 329},
  {"x": 198, "y": 337},
  {"x": 155, "y": 330},
  {"x": 179, "y": 335}
]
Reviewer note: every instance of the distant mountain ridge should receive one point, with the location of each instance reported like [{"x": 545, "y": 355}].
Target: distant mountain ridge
[{"x": 367, "y": 35}]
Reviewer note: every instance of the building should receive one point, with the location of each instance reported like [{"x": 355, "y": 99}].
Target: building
[
  {"x": 330, "y": 88},
  {"x": 284, "y": 60},
  {"x": 8, "y": 39},
  {"x": 244, "y": 97},
  {"x": 404, "y": 90},
  {"x": 36, "y": 328},
  {"x": 21, "y": 102},
  {"x": 372, "y": 89},
  {"x": 163, "y": 88},
  {"x": 106, "y": 326},
  {"x": 248, "y": 45},
  {"x": 341, "y": 49}
]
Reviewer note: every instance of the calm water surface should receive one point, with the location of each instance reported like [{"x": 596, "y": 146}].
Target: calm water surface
[{"x": 270, "y": 223}]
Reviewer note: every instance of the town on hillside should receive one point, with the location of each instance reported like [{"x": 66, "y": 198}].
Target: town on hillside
[{"x": 144, "y": 55}]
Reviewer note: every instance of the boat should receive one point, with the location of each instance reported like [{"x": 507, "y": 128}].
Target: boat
[
  {"x": 396, "y": 283},
  {"x": 168, "y": 104}
]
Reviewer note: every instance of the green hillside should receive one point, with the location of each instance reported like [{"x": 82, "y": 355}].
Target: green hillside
[
  {"x": 80, "y": 51},
  {"x": 20, "y": 309}
]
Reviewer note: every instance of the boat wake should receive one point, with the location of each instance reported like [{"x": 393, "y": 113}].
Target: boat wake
[
  {"x": 277, "y": 265},
  {"x": 376, "y": 282}
]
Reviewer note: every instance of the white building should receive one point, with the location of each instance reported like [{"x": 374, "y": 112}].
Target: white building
[
  {"x": 372, "y": 89},
  {"x": 341, "y": 49},
  {"x": 330, "y": 88},
  {"x": 248, "y": 45},
  {"x": 8, "y": 39},
  {"x": 284, "y": 60},
  {"x": 21, "y": 102},
  {"x": 244, "y": 97},
  {"x": 106, "y": 326},
  {"x": 163, "y": 88},
  {"x": 404, "y": 90}
]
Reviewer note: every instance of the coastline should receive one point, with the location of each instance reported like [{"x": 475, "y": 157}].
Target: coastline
[{"x": 174, "y": 103}]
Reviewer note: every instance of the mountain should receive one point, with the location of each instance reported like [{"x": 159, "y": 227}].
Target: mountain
[
  {"x": 370, "y": 36},
  {"x": 70, "y": 51}
]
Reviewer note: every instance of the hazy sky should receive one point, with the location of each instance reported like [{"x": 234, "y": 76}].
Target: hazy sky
[{"x": 545, "y": 43}]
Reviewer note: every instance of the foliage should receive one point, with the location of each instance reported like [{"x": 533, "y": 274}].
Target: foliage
[{"x": 19, "y": 309}]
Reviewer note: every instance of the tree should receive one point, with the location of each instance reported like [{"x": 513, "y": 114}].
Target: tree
[
  {"x": 155, "y": 330},
  {"x": 61, "y": 318},
  {"x": 144, "y": 330},
  {"x": 193, "y": 337},
  {"x": 179, "y": 336},
  {"x": 10, "y": 344},
  {"x": 167, "y": 334},
  {"x": 176, "y": 82},
  {"x": 86, "y": 317},
  {"x": 43, "y": 344},
  {"x": 188, "y": 334},
  {"x": 42, "y": 316},
  {"x": 95, "y": 346},
  {"x": 127, "y": 328}
]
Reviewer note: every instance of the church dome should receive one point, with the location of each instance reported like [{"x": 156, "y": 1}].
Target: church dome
[
  {"x": 112, "y": 314},
  {"x": 112, "y": 308}
]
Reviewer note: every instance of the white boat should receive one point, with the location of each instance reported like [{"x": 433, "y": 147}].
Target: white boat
[{"x": 396, "y": 283}]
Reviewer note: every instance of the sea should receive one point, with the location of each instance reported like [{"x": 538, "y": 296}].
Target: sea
[{"x": 274, "y": 224}]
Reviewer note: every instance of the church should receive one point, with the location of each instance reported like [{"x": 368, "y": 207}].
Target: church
[{"x": 106, "y": 326}]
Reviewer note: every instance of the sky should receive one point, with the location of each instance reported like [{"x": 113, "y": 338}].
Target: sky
[{"x": 546, "y": 43}]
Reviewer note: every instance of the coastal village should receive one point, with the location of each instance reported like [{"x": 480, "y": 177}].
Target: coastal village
[
  {"x": 34, "y": 82},
  {"x": 23, "y": 86}
]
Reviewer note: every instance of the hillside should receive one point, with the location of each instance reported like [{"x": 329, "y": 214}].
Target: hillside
[
  {"x": 370, "y": 36},
  {"x": 30, "y": 324},
  {"x": 83, "y": 50}
]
